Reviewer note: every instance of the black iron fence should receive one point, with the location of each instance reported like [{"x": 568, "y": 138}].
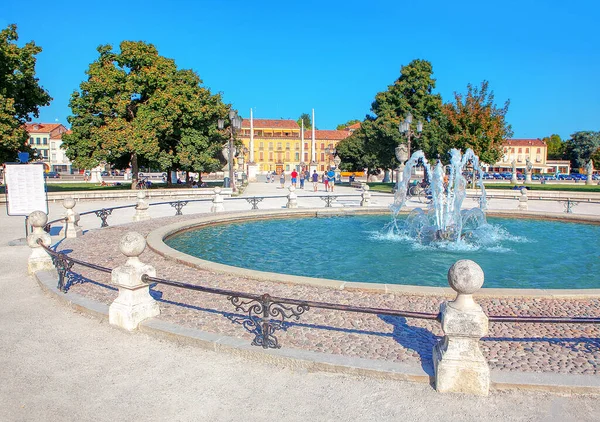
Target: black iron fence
[{"x": 264, "y": 315}]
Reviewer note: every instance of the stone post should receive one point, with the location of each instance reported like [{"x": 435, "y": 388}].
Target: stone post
[
  {"x": 292, "y": 198},
  {"x": 589, "y": 172},
  {"x": 523, "y": 201},
  {"x": 39, "y": 259},
  {"x": 141, "y": 207},
  {"x": 459, "y": 364},
  {"x": 217, "y": 203},
  {"x": 134, "y": 303},
  {"x": 365, "y": 196},
  {"x": 71, "y": 228}
]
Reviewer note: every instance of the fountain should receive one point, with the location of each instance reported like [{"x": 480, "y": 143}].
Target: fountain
[{"x": 444, "y": 220}]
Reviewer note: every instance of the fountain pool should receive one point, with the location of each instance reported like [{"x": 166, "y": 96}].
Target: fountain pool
[{"x": 518, "y": 253}]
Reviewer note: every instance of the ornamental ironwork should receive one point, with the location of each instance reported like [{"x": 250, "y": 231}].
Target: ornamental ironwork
[
  {"x": 328, "y": 200},
  {"x": 569, "y": 205},
  {"x": 264, "y": 317},
  {"x": 254, "y": 202},
  {"x": 178, "y": 206},
  {"x": 62, "y": 265},
  {"x": 103, "y": 214}
]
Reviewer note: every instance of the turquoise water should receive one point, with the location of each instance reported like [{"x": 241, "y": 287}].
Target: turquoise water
[{"x": 518, "y": 254}]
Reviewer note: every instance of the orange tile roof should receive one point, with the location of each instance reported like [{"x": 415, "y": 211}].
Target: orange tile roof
[
  {"x": 354, "y": 126},
  {"x": 54, "y": 129},
  {"x": 524, "y": 142},
  {"x": 327, "y": 135},
  {"x": 271, "y": 124}
]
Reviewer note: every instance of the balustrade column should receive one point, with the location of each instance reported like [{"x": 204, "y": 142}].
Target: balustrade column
[
  {"x": 365, "y": 196},
  {"x": 134, "y": 303},
  {"x": 459, "y": 364},
  {"x": 217, "y": 203},
  {"x": 39, "y": 259},
  {"x": 141, "y": 207},
  {"x": 71, "y": 228},
  {"x": 523, "y": 201},
  {"x": 292, "y": 197}
]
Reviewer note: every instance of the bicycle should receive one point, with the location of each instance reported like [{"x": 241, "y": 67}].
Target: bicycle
[
  {"x": 426, "y": 196},
  {"x": 143, "y": 183}
]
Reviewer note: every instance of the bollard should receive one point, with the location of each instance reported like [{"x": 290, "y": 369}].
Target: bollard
[
  {"x": 134, "y": 303},
  {"x": 523, "y": 200},
  {"x": 365, "y": 196},
  {"x": 292, "y": 198},
  {"x": 217, "y": 203},
  {"x": 71, "y": 228},
  {"x": 39, "y": 259},
  {"x": 141, "y": 207},
  {"x": 459, "y": 364}
]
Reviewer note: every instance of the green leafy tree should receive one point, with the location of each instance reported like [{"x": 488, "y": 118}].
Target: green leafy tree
[
  {"x": 351, "y": 152},
  {"x": 411, "y": 93},
  {"x": 136, "y": 108},
  {"x": 556, "y": 147},
  {"x": 20, "y": 93},
  {"x": 582, "y": 147},
  {"x": 473, "y": 121},
  {"x": 348, "y": 123},
  {"x": 307, "y": 122}
]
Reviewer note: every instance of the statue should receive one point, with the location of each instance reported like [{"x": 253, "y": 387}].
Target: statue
[
  {"x": 590, "y": 167},
  {"x": 514, "y": 166},
  {"x": 528, "y": 166}
]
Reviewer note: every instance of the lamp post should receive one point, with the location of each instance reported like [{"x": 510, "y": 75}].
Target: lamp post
[
  {"x": 403, "y": 150},
  {"x": 235, "y": 124}
]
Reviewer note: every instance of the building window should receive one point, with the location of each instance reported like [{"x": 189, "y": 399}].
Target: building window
[
  {"x": 297, "y": 145},
  {"x": 322, "y": 156},
  {"x": 539, "y": 150},
  {"x": 270, "y": 146},
  {"x": 45, "y": 141},
  {"x": 37, "y": 141},
  {"x": 287, "y": 156},
  {"x": 520, "y": 150},
  {"x": 306, "y": 145},
  {"x": 53, "y": 157},
  {"x": 278, "y": 146},
  {"x": 297, "y": 156},
  {"x": 270, "y": 156},
  {"x": 306, "y": 157},
  {"x": 322, "y": 146},
  {"x": 260, "y": 146},
  {"x": 287, "y": 145},
  {"x": 526, "y": 150},
  {"x": 45, "y": 151},
  {"x": 31, "y": 141}
]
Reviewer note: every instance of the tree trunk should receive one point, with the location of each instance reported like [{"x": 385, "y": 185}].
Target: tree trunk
[{"x": 134, "y": 170}]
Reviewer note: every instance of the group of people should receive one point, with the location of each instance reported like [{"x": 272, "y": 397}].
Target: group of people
[{"x": 327, "y": 178}]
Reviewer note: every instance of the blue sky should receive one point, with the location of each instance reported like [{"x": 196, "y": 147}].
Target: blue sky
[{"x": 285, "y": 58}]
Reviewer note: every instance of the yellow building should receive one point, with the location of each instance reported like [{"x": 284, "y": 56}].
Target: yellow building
[
  {"x": 46, "y": 139},
  {"x": 279, "y": 145},
  {"x": 536, "y": 150}
]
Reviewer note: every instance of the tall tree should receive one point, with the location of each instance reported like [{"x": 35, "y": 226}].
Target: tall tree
[
  {"x": 136, "y": 106},
  {"x": 307, "y": 122},
  {"x": 582, "y": 147},
  {"x": 474, "y": 121},
  {"x": 20, "y": 93},
  {"x": 348, "y": 123},
  {"x": 556, "y": 147},
  {"x": 411, "y": 93}
]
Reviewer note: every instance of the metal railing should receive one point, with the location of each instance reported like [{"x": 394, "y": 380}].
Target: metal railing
[{"x": 264, "y": 315}]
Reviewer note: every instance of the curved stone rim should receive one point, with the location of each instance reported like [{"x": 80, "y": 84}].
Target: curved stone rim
[{"x": 155, "y": 241}]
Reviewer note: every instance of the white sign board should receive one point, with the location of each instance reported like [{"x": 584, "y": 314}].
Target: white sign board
[{"x": 25, "y": 189}]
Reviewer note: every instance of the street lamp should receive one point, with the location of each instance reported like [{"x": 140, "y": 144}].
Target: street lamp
[
  {"x": 403, "y": 150},
  {"x": 235, "y": 124}
]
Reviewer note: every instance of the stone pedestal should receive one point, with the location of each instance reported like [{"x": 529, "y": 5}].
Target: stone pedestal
[
  {"x": 459, "y": 364},
  {"x": 134, "y": 303},
  {"x": 313, "y": 167},
  {"x": 217, "y": 204},
  {"x": 523, "y": 200},
  {"x": 513, "y": 179},
  {"x": 252, "y": 172},
  {"x": 292, "y": 201},
  {"x": 71, "y": 228},
  {"x": 39, "y": 259},
  {"x": 96, "y": 174},
  {"x": 528, "y": 178},
  {"x": 141, "y": 207},
  {"x": 365, "y": 196}
]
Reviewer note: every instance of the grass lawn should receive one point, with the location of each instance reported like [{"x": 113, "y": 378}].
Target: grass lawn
[
  {"x": 71, "y": 187},
  {"x": 582, "y": 187}
]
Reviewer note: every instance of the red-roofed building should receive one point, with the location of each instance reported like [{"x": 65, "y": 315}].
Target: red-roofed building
[
  {"x": 278, "y": 145},
  {"x": 46, "y": 138}
]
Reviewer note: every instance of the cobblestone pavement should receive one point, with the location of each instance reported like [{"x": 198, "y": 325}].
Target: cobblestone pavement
[{"x": 557, "y": 348}]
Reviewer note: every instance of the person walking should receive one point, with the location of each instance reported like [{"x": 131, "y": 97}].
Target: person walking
[
  {"x": 302, "y": 177},
  {"x": 331, "y": 178},
  {"x": 294, "y": 176},
  {"x": 325, "y": 181},
  {"x": 268, "y": 177},
  {"x": 282, "y": 179},
  {"x": 315, "y": 180}
]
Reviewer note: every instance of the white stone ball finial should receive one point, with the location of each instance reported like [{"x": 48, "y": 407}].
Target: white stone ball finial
[
  {"x": 141, "y": 194},
  {"x": 132, "y": 245},
  {"x": 366, "y": 188},
  {"x": 38, "y": 219},
  {"x": 217, "y": 190},
  {"x": 292, "y": 188},
  {"x": 69, "y": 203},
  {"x": 465, "y": 277}
]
